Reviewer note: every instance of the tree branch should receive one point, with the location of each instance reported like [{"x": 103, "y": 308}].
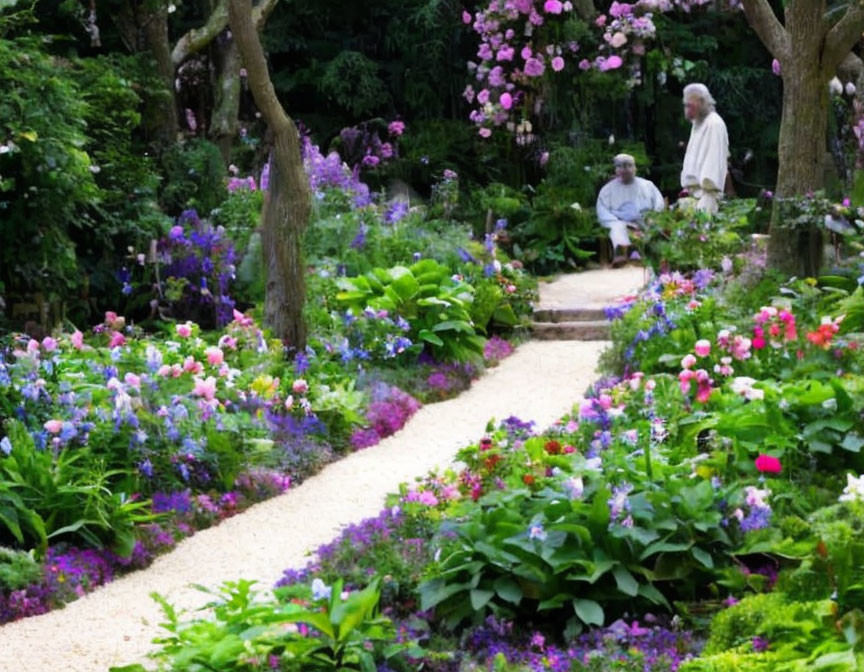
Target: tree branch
[
  {"x": 767, "y": 26},
  {"x": 845, "y": 34},
  {"x": 198, "y": 38}
]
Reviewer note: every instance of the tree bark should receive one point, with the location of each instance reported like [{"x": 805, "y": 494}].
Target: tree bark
[
  {"x": 163, "y": 120},
  {"x": 287, "y": 206},
  {"x": 226, "y": 94}
]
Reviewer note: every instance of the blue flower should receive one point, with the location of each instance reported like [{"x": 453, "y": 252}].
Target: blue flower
[
  {"x": 537, "y": 532},
  {"x": 320, "y": 590}
]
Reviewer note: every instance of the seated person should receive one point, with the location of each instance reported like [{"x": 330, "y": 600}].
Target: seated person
[{"x": 622, "y": 201}]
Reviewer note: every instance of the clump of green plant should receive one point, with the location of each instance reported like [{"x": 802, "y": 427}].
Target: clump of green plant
[{"x": 18, "y": 569}]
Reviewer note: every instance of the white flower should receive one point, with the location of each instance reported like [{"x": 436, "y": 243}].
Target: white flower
[
  {"x": 320, "y": 591},
  {"x": 574, "y": 487},
  {"x": 576, "y": 206},
  {"x": 850, "y": 89},
  {"x": 594, "y": 464},
  {"x": 835, "y": 87},
  {"x": 854, "y": 491},
  {"x": 742, "y": 385}
]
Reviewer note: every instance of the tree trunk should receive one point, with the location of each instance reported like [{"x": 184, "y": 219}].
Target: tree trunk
[
  {"x": 801, "y": 152},
  {"x": 226, "y": 105},
  {"x": 287, "y": 207},
  {"x": 162, "y": 124}
]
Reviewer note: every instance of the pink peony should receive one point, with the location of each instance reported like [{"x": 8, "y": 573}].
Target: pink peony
[
  {"x": 77, "y": 340},
  {"x": 53, "y": 426},
  {"x": 117, "y": 339},
  {"x": 553, "y": 6},
  {"x": 184, "y": 330},
  {"x": 191, "y": 365},
  {"x": 703, "y": 347},
  {"x": 767, "y": 464},
  {"x": 205, "y": 388},
  {"x": 215, "y": 356},
  {"x": 164, "y": 371},
  {"x": 557, "y": 64},
  {"x": 688, "y": 361}
]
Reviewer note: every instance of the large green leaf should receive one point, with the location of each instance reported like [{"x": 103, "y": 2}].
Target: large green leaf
[{"x": 589, "y": 611}]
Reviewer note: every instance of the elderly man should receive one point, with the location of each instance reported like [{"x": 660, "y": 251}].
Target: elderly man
[
  {"x": 707, "y": 157},
  {"x": 622, "y": 201}
]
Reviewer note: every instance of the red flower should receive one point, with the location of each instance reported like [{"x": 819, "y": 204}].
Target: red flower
[
  {"x": 553, "y": 447},
  {"x": 528, "y": 479},
  {"x": 768, "y": 465}
]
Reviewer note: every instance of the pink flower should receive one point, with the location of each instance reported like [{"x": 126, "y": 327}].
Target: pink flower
[
  {"x": 483, "y": 97},
  {"x": 600, "y": 21},
  {"x": 184, "y": 330},
  {"x": 506, "y": 101},
  {"x": 684, "y": 379},
  {"x": 758, "y": 338},
  {"x": 618, "y": 40},
  {"x": 612, "y": 63},
  {"x": 49, "y": 344},
  {"x": 117, "y": 339},
  {"x": 505, "y": 53},
  {"x": 228, "y": 342},
  {"x": 485, "y": 132},
  {"x": 215, "y": 356},
  {"x": 396, "y": 127},
  {"x": 300, "y": 386},
  {"x": 289, "y": 403},
  {"x": 132, "y": 380},
  {"x": 526, "y": 53},
  {"x": 619, "y": 9},
  {"x": 77, "y": 340},
  {"x": 191, "y": 365},
  {"x": 534, "y": 67},
  {"x": 164, "y": 371},
  {"x": 466, "y": 17},
  {"x": 110, "y": 317},
  {"x": 242, "y": 320},
  {"x": 584, "y": 64},
  {"x": 702, "y": 347},
  {"x": 205, "y": 388},
  {"x": 775, "y": 67},
  {"x": 553, "y": 7},
  {"x": 688, "y": 361},
  {"x": 33, "y": 346},
  {"x": 767, "y": 464},
  {"x": 53, "y": 426},
  {"x": 557, "y": 64}
]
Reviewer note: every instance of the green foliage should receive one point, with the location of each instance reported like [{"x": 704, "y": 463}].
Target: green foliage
[
  {"x": 194, "y": 175},
  {"x": 351, "y": 81},
  {"x": 18, "y": 569},
  {"x": 45, "y": 498},
  {"x": 436, "y": 306},
  {"x": 348, "y": 634}
]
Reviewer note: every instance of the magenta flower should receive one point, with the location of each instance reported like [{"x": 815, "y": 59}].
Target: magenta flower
[
  {"x": 775, "y": 67},
  {"x": 553, "y": 7},
  {"x": 466, "y": 17},
  {"x": 506, "y": 101},
  {"x": 557, "y": 64},
  {"x": 612, "y": 63},
  {"x": 534, "y": 67}
]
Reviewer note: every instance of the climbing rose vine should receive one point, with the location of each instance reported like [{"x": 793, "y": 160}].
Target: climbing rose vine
[{"x": 524, "y": 45}]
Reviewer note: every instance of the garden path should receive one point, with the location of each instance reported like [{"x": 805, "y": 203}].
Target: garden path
[{"x": 115, "y": 624}]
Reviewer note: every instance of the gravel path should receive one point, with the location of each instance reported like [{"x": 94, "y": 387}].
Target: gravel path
[{"x": 115, "y": 625}]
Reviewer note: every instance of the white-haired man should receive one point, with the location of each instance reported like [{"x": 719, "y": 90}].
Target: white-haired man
[
  {"x": 621, "y": 203},
  {"x": 707, "y": 159}
]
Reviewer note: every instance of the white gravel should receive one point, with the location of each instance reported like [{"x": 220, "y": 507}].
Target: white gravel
[{"x": 115, "y": 624}]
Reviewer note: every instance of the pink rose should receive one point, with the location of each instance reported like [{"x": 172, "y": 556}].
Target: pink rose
[
  {"x": 53, "y": 426},
  {"x": 205, "y": 388},
  {"x": 184, "y": 330},
  {"x": 77, "y": 340}
]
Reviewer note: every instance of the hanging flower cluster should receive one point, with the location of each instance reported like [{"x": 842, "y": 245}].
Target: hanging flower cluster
[{"x": 516, "y": 50}]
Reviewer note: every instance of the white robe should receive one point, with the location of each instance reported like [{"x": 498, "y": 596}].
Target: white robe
[
  {"x": 621, "y": 205},
  {"x": 706, "y": 161}
]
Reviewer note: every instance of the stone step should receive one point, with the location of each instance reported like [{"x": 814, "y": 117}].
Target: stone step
[
  {"x": 585, "y": 330},
  {"x": 570, "y": 314}
]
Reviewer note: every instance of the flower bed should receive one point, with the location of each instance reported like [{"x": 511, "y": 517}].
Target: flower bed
[{"x": 700, "y": 512}]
